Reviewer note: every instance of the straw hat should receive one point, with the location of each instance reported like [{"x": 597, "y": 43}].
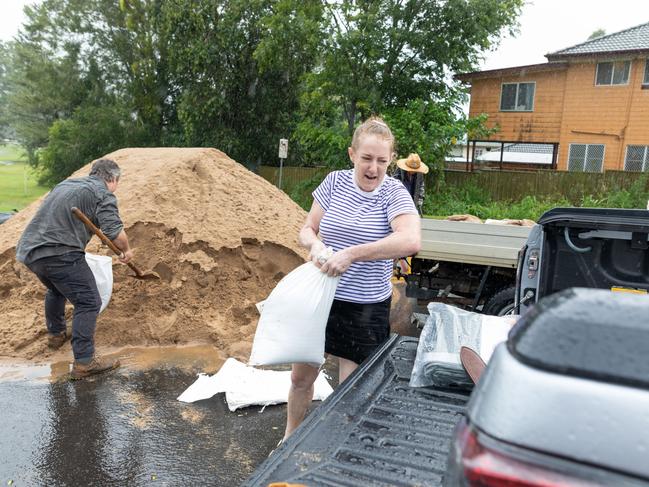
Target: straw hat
[{"x": 412, "y": 163}]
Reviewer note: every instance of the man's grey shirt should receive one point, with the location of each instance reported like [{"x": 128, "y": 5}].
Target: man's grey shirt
[{"x": 54, "y": 230}]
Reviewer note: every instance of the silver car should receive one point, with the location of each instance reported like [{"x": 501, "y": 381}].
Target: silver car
[{"x": 565, "y": 401}]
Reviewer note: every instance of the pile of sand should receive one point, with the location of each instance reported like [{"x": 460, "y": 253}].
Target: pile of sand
[{"x": 219, "y": 236}]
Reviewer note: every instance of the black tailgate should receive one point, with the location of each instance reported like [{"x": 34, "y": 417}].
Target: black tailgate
[{"x": 374, "y": 430}]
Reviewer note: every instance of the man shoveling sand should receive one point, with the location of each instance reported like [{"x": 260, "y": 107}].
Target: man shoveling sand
[{"x": 53, "y": 247}]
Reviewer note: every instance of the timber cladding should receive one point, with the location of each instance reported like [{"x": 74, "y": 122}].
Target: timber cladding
[
  {"x": 570, "y": 108},
  {"x": 543, "y": 124},
  {"x": 613, "y": 115}
]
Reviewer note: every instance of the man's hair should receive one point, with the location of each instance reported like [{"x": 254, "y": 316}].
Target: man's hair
[
  {"x": 373, "y": 126},
  {"x": 106, "y": 169}
]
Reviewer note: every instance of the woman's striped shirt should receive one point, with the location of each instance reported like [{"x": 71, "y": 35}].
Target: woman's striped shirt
[{"x": 352, "y": 217}]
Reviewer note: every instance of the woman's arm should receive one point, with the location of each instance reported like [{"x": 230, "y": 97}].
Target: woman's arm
[
  {"x": 308, "y": 236},
  {"x": 404, "y": 240}
]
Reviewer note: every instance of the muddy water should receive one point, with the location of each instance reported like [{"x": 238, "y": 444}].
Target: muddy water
[
  {"x": 204, "y": 358},
  {"x": 126, "y": 427}
]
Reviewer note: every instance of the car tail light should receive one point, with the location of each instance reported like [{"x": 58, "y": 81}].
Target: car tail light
[{"x": 484, "y": 466}]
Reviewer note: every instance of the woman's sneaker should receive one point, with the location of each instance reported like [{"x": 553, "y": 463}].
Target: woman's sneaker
[{"x": 95, "y": 366}]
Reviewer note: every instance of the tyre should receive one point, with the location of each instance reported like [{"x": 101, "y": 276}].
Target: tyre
[{"x": 500, "y": 303}]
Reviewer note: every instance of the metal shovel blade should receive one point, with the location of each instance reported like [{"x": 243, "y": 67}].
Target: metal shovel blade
[{"x": 143, "y": 275}]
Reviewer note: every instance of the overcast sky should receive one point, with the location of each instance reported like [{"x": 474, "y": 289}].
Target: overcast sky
[
  {"x": 546, "y": 26},
  {"x": 550, "y": 25}
]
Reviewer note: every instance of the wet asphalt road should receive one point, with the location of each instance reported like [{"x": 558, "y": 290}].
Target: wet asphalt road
[{"x": 126, "y": 428}]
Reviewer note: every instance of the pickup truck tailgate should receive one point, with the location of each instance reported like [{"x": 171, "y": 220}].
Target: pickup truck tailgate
[{"x": 374, "y": 430}]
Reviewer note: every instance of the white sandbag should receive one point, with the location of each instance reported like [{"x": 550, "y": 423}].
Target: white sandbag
[
  {"x": 102, "y": 268},
  {"x": 447, "y": 330},
  {"x": 247, "y": 386},
  {"x": 256, "y": 387},
  {"x": 207, "y": 385},
  {"x": 293, "y": 319}
]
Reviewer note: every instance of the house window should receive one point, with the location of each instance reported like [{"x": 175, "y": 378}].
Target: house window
[
  {"x": 586, "y": 157},
  {"x": 517, "y": 97},
  {"x": 637, "y": 158},
  {"x": 613, "y": 73},
  {"x": 645, "y": 80}
]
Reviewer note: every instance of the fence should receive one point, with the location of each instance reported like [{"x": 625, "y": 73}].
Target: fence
[
  {"x": 291, "y": 176},
  {"x": 515, "y": 185},
  {"x": 501, "y": 185}
]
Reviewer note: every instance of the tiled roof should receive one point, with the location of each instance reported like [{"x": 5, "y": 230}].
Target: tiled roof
[{"x": 630, "y": 40}]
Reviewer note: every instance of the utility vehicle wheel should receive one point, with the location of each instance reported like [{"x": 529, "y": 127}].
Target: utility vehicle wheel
[{"x": 500, "y": 303}]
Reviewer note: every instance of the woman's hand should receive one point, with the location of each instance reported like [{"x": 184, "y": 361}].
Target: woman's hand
[
  {"x": 317, "y": 250},
  {"x": 338, "y": 263}
]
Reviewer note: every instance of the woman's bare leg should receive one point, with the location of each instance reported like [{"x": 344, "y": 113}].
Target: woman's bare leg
[
  {"x": 345, "y": 368},
  {"x": 300, "y": 395}
]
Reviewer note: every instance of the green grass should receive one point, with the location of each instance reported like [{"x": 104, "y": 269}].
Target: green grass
[
  {"x": 470, "y": 199},
  {"x": 18, "y": 184}
]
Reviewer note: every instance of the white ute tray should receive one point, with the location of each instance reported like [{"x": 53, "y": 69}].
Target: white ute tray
[{"x": 472, "y": 243}]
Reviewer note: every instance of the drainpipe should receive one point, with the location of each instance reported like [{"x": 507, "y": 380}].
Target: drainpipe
[{"x": 632, "y": 86}]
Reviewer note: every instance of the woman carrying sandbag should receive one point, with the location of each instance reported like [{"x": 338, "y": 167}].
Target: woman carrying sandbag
[{"x": 368, "y": 219}]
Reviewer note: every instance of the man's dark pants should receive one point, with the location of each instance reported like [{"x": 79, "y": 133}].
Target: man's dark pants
[{"x": 69, "y": 277}]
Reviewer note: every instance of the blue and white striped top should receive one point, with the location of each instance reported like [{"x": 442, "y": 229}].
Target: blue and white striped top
[{"x": 354, "y": 217}]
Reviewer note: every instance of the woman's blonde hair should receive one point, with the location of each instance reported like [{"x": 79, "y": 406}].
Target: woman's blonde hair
[{"x": 373, "y": 126}]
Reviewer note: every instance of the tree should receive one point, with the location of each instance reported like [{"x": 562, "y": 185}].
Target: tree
[
  {"x": 235, "y": 92},
  {"x": 5, "y": 129},
  {"x": 597, "y": 33},
  {"x": 75, "y": 57},
  {"x": 238, "y": 75},
  {"x": 391, "y": 56},
  {"x": 42, "y": 82},
  {"x": 384, "y": 54}
]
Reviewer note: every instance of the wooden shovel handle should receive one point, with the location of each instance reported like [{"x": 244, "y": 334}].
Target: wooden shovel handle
[{"x": 81, "y": 216}]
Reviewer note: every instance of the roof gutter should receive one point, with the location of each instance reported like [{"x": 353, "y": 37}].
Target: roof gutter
[
  {"x": 513, "y": 71},
  {"x": 557, "y": 57}
]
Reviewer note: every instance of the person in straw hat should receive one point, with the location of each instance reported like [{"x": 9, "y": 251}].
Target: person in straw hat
[{"x": 410, "y": 171}]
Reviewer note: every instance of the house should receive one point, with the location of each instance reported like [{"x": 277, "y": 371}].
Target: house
[{"x": 589, "y": 102}]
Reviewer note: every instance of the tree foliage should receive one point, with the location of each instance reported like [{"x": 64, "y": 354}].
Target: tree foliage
[
  {"x": 84, "y": 77},
  {"x": 396, "y": 58},
  {"x": 596, "y": 33}
]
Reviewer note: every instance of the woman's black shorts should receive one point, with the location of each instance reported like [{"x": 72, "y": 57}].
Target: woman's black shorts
[{"x": 355, "y": 330}]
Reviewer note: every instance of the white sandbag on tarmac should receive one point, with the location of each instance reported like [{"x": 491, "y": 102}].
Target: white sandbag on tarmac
[
  {"x": 248, "y": 386},
  {"x": 102, "y": 268},
  {"x": 293, "y": 319}
]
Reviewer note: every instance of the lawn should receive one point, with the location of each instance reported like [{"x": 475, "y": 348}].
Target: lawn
[{"x": 18, "y": 185}]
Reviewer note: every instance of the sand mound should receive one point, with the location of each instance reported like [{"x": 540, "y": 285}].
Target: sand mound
[{"x": 219, "y": 236}]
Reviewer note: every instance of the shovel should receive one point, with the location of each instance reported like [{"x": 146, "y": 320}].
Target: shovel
[
  {"x": 472, "y": 362},
  {"x": 145, "y": 275}
]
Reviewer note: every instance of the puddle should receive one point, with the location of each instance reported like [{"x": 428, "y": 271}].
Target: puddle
[{"x": 198, "y": 358}]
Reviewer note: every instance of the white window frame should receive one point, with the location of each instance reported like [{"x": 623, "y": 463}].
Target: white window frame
[
  {"x": 645, "y": 79},
  {"x": 585, "y": 155},
  {"x": 517, "y": 90},
  {"x": 645, "y": 157},
  {"x": 613, "y": 72}
]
